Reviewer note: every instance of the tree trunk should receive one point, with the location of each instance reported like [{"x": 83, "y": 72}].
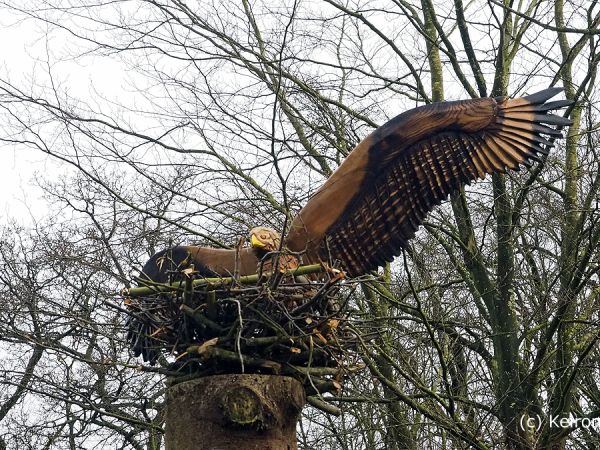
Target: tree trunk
[{"x": 223, "y": 412}]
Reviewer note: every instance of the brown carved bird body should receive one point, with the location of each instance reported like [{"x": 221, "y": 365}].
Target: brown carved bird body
[
  {"x": 368, "y": 209},
  {"x": 371, "y": 206},
  {"x": 212, "y": 262}
]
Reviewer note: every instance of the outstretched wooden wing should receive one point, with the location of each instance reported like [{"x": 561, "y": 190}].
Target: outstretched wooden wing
[{"x": 366, "y": 212}]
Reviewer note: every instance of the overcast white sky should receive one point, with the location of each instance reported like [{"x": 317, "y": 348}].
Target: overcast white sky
[
  {"x": 23, "y": 56},
  {"x": 21, "y": 61},
  {"x": 16, "y": 167}
]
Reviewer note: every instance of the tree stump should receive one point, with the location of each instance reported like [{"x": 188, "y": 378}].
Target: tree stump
[{"x": 234, "y": 412}]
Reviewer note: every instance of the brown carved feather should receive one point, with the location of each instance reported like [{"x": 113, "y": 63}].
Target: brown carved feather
[
  {"x": 366, "y": 212},
  {"x": 212, "y": 262}
]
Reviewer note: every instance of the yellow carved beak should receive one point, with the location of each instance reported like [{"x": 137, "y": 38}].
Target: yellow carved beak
[{"x": 256, "y": 243}]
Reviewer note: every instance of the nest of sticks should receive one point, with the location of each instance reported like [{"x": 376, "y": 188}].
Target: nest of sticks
[{"x": 279, "y": 324}]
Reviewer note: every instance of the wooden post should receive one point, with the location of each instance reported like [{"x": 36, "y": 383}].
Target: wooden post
[{"x": 234, "y": 412}]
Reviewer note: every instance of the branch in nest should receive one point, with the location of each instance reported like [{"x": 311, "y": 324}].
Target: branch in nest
[
  {"x": 201, "y": 319},
  {"x": 215, "y": 353},
  {"x": 323, "y": 405},
  {"x": 212, "y": 283}
]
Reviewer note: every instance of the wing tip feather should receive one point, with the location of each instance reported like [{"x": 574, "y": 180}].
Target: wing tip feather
[
  {"x": 517, "y": 134},
  {"x": 543, "y": 95}
]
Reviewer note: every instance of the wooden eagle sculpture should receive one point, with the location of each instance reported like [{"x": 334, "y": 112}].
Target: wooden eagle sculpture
[
  {"x": 371, "y": 206},
  {"x": 212, "y": 262}
]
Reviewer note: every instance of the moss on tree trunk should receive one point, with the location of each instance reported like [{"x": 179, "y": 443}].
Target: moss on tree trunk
[{"x": 234, "y": 412}]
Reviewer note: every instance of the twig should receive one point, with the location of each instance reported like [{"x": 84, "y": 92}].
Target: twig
[
  {"x": 239, "y": 334},
  {"x": 323, "y": 405},
  {"x": 213, "y": 283},
  {"x": 202, "y": 320}
]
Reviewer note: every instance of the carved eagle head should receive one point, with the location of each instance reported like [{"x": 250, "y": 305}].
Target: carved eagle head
[{"x": 265, "y": 239}]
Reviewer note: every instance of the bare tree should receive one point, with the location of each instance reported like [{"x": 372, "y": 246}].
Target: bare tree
[{"x": 483, "y": 335}]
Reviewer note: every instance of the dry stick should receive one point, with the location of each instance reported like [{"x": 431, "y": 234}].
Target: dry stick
[
  {"x": 234, "y": 358},
  {"x": 238, "y": 248},
  {"x": 211, "y": 305},
  {"x": 213, "y": 283},
  {"x": 247, "y": 342},
  {"x": 202, "y": 319},
  {"x": 323, "y": 406},
  {"x": 239, "y": 334},
  {"x": 322, "y": 387},
  {"x": 326, "y": 286}
]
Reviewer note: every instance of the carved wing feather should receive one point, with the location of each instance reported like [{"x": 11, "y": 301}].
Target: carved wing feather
[{"x": 366, "y": 212}]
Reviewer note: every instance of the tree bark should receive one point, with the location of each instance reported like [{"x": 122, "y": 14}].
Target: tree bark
[{"x": 223, "y": 412}]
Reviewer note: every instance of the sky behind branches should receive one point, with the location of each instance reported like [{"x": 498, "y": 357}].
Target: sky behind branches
[{"x": 30, "y": 56}]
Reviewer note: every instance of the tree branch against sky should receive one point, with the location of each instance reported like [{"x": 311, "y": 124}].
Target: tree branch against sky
[{"x": 156, "y": 122}]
